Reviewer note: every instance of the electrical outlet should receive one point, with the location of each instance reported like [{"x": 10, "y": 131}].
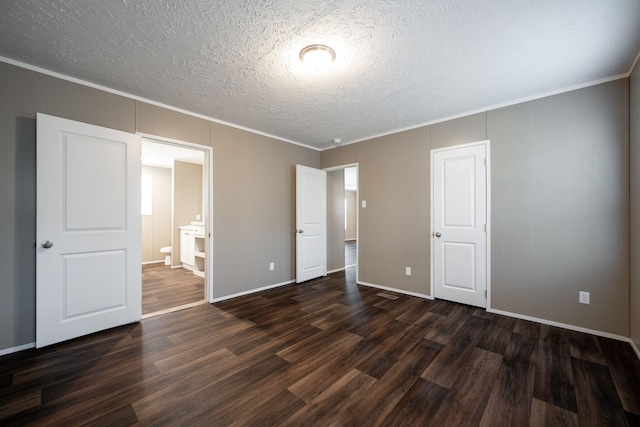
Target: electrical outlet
[
  {"x": 272, "y": 266},
  {"x": 407, "y": 271},
  {"x": 584, "y": 297},
  {"x": 364, "y": 204}
]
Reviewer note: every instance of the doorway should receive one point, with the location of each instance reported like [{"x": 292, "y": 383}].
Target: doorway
[
  {"x": 342, "y": 221},
  {"x": 175, "y": 232}
]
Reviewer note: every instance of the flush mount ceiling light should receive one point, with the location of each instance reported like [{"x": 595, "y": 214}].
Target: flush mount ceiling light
[{"x": 317, "y": 56}]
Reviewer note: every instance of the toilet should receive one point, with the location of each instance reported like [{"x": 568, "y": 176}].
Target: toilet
[{"x": 167, "y": 251}]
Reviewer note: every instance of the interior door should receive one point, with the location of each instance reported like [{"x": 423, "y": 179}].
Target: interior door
[
  {"x": 459, "y": 224},
  {"x": 311, "y": 223},
  {"x": 88, "y": 257}
]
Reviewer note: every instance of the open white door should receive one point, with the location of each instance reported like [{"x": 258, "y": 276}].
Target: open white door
[
  {"x": 88, "y": 274},
  {"x": 459, "y": 188},
  {"x": 311, "y": 223}
]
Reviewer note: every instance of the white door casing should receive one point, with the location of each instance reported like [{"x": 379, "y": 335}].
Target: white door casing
[
  {"x": 460, "y": 223},
  {"x": 311, "y": 223},
  {"x": 88, "y": 207}
]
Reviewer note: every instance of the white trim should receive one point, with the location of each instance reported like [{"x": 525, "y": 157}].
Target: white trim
[
  {"x": 486, "y": 109},
  {"x": 633, "y": 66},
  {"x": 16, "y": 349},
  {"x": 399, "y": 291},
  {"x": 148, "y": 101},
  {"x": 560, "y": 325},
  {"x": 336, "y": 270},
  {"x": 152, "y": 262},
  {"x": 172, "y": 309},
  {"x": 252, "y": 291},
  {"x": 634, "y": 347},
  {"x": 350, "y": 240},
  {"x": 350, "y": 266},
  {"x": 487, "y": 144}
]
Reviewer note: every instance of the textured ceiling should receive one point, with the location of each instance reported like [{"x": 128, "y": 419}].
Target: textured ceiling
[{"x": 400, "y": 63}]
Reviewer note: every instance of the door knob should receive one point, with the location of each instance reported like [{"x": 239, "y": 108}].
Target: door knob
[
  {"x": 300, "y": 231},
  {"x": 46, "y": 244},
  {"x": 438, "y": 234}
]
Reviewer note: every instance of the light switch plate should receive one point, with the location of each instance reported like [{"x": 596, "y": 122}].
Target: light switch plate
[
  {"x": 407, "y": 271},
  {"x": 364, "y": 204}
]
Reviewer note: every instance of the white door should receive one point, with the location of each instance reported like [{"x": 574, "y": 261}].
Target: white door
[
  {"x": 459, "y": 188},
  {"x": 311, "y": 223},
  {"x": 88, "y": 274}
]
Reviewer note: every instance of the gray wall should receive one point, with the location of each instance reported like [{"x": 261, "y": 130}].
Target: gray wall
[
  {"x": 560, "y": 198},
  {"x": 335, "y": 220},
  {"x": 187, "y": 202},
  {"x": 253, "y": 188},
  {"x": 156, "y": 228},
  {"x": 635, "y": 207},
  {"x": 254, "y": 208}
]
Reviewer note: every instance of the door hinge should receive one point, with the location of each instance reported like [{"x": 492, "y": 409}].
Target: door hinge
[
  {"x": 485, "y": 228},
  {"x": 485, "y": 294},
  {"x": 485, "y": 161}
]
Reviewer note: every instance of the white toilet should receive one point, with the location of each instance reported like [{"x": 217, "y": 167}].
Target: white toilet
[{"x": 167, "y": 251}]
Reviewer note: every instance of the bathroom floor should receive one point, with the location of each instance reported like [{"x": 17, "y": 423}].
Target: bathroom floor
[{"x": 164, "y": 287}]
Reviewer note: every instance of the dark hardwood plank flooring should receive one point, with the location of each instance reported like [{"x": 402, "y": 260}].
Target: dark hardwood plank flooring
[
  {"x": 164, "y": 287},
  {"x": 350, "y": 258},
  {"x": 326, "y": 352}
]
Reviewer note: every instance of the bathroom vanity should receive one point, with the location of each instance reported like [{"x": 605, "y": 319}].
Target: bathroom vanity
[{"x": 192, "y": 249}]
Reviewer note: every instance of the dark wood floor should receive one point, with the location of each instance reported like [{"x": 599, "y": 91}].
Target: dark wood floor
[
  {"x": 326, "y": 352},
  {"x": 350, "y": 253},
  {"x": 164, "y": 287}
]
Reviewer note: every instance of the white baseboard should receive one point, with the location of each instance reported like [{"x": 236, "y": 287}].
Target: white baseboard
[
  {"x": 399, "y": 291},
  {"x": 560, "y": 325},
  {"x": 336, "y": 270},
  {"x": 152, "y": 262},
  {"x": 252, "y": 291},
  {"x": 350, "y": 240},
  {"x": 635, "y": 348},
  {"x": 17, "y": 349}
]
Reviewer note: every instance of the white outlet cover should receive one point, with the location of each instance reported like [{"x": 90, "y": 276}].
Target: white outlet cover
[
  {"x": 364, "y": 203},
  {"x": 407, "y": 271},
  {"x": 272, "y": 266},
  {"x": 584, "y": 297}
]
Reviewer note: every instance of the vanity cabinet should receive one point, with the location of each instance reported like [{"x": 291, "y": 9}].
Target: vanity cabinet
[{"x": 192, "y": 248}]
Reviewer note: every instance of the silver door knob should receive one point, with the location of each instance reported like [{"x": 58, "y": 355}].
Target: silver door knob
[
  {"x": 300, "y": 231},
  {"x": 46, "y": 244},
  {"x": 438, "y": 234}
]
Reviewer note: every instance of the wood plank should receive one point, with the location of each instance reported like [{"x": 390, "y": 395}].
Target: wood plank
[
  {"x": 510, "y": 398},
  {"x": 624, "y": 365},
  {"x": 598, "y": 401},
  {"x": 418, "y": 406},
  {"x": 544, "y": 414},
  {"x": 468, "y": 397}
]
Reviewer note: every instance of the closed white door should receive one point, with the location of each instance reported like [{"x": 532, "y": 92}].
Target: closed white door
[
  {"x": 88, "y": 266},
  {"x": 459, "y": 188},
  {"x": 311, "y": 223}
]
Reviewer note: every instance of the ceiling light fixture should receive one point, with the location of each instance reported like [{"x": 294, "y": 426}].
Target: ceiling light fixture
[{"x": 317, "y": 56}]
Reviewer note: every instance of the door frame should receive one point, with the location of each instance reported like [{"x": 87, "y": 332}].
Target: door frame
[
  {"x": 343, "y": 167},
  {"x": 487, "y": 144},
  {"x": 207, "y": 191}
]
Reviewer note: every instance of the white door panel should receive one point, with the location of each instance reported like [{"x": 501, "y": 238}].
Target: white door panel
[
  {"x": 88, "y": 206},
  {"x": 459, "y": 224},
  {"x": 311, "y": 223}
]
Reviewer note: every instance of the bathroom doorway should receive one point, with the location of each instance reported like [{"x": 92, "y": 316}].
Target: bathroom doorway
[{"x": 176, "y": 222}]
